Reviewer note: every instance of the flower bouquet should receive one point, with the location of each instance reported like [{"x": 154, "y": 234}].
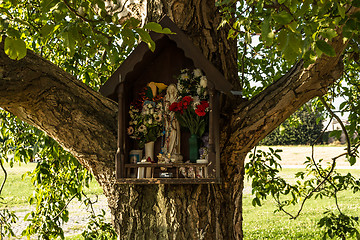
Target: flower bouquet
[
  {"x": 191, "y": 113},
  {"x": 145, "y": 112},
  {"x": 192, "y": 107}
]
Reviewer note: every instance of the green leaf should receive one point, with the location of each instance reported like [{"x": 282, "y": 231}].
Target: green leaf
[
  {"x": 155, "y": 27},
  {"x": 133, "y": 22},
  {"x": 15, "y": 48},
  {"x": 328, "y": 33},
  {"x": 352, "y": 160},
  {"x": 69, "y": 42},
  {"x": 292, "y": 26},
  {"x": 11, "y": 32},
  {"x": 325, "y": 48},
  {"x": 128, "y": 37},
  {"x": 292, "y": 47},
  {"x": 266, "y": 33},
  {"x": 201, "y": 128},
  {"x": 282, "y": 18},
  {"x": 145, "y": 37},
  {"x": 47, "y": 4},
  {"x": 282, "y": 39},
  {"x": 341, "y": 10},
  {"x": 47, "y": 29}
]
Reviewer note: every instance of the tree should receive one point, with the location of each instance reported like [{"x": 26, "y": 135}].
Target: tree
[
  {"x": 303, "y": 127},
  {"x": 88, "y": 39}
]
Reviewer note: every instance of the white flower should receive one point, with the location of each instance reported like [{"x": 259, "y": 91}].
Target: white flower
[
  {"x": 184, "y": 76},
  {"x": 149, "y": 106},
  {"x": 151, "y": 111},
  {"x": 198, "y": 90},
  {"x": 130, "y": 130},
  {"x": 158, "y": 118},
  {"x": 180, "y": 87},
  {"x": 196, "y": 101},
  {"x": 142, "y": 128},
  {"x": 197, "y": 73},
  {"x": 203, "y": 82},
  {"x": 150, "y": 121},
  {"x": 135, "y": 122}
]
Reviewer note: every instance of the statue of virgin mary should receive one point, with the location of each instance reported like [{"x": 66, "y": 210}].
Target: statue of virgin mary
[{"x": 171, "y": 148}]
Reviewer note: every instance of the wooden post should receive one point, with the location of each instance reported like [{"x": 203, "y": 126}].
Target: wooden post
[
  {"x": 217, "y": 133},
  {"x": 120, "y": 155},
  {"x": 212, "y": 156}
]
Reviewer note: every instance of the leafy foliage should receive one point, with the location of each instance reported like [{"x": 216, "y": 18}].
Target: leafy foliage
[
  {"x": 298, "y": 29},
  {"x": 315, "y": 181},
  {"x": 58, "y": 177},
  {"x": 79, "y": 36},
  {"x": 339, "y": 225},
  {"x": 303, "y": 127},
  {"x": 7, "y": 218},
  {"x": 99, "y": 229},
  {"x": 82, "y": 38}
]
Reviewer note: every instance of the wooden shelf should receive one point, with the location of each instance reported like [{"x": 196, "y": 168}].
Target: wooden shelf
[
  {"x": 168, "y": 181},
  {"x": 177, "y": 178},
  {"x": 166, "y": 165}
]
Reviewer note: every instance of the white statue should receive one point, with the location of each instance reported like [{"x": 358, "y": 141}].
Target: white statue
[{"x": 171, "y": 149}]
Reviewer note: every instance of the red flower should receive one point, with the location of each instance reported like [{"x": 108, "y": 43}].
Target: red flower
[
  {"x": 187, "y": 99},
  {"x": 201, "y": 108},
  {"x": 186, "y": 102},
  {"x": 205, "y": 104},
  {"x": 199, "y": 112},
  {"x": 174, "y": 107}
]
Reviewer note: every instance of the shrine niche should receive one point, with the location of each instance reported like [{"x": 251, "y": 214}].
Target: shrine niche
[{"x": 168, "y": 121}]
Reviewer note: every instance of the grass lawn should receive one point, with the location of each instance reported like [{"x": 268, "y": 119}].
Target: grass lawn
[
  {"x": 16, "y": 190},
  {"x": 263, "y": 223},
  {"x": 259, "y": 222}
]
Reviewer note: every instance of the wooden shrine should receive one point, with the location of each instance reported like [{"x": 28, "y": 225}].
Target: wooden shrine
[{"x": 173, "y": 53}]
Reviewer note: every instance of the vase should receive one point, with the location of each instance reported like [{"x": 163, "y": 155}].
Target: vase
[
  {"x": 149, "y": 153},
  {"x": 193, "y": 148}
]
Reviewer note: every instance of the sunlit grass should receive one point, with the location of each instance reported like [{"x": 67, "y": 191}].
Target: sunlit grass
[
  {"x": 263, "y": 223},
  {"x": 259, "y": 222},
  {"x": 17, "y": 190}
]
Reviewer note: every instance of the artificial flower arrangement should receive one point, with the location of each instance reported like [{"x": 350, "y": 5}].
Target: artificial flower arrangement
[
  {"x": 192, "y": 107},
  {"x": 146, "y": 123}
]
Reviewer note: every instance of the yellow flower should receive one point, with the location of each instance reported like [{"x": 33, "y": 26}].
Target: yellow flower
[
  {"x": 161, "y": 86},
  {"x": 153, "y": 88}
]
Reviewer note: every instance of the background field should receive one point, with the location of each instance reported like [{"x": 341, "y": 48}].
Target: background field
[{"x": 259, "y": 222}]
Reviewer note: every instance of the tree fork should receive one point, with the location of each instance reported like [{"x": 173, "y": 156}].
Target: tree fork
[{"x": 84, "y": 122}]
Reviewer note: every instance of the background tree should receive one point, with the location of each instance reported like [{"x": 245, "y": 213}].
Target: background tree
[
  {"x": 303, "y": 50},
  {"x": 303, "y": 127}
]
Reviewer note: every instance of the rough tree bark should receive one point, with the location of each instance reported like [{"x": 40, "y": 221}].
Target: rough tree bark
[{"x": 84, "y": 123}]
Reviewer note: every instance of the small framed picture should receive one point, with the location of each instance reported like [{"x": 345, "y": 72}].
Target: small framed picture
[{"x": 135, "y": 156}]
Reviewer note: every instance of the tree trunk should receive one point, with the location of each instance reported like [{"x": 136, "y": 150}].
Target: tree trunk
[
  {"x": 84, "y": 123},
  {"x": 188, "y": 211}
]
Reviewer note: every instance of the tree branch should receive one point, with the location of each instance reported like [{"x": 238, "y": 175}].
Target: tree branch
[
  {"x": 80, "y": 119},
  {"x": 5, "y": 177},
  {"x": 254, "y": 119},
  {"x": 341, "y": 124}
]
